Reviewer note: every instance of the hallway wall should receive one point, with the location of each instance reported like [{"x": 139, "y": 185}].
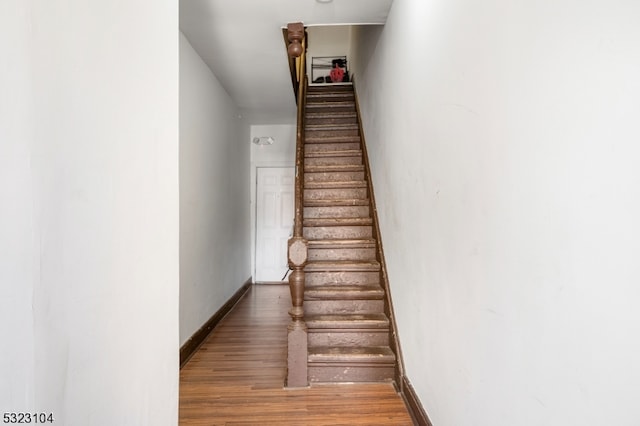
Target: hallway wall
[
  {"x": 503, "y": 141},
  {"x": 214, "y": 194},
  {"x": 89, "y": 216},
  {"x": 18, "y": 248}
]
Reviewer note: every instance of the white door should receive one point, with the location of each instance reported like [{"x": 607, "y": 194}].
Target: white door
[{"x": 274, "y": 221}]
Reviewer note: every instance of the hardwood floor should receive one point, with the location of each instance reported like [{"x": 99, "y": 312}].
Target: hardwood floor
[{"x": 237, "y": 376}]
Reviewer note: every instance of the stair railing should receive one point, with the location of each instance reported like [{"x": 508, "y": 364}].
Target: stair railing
[{"x": 298, "y": 245}]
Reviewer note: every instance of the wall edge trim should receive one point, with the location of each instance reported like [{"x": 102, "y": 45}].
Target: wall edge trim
[{"x": 414, "y": 406}]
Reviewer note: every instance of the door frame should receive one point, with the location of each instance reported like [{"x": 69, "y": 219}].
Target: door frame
[{"x": 254, "y": 205}]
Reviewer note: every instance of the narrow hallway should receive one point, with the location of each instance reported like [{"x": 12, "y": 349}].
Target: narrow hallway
[{"x": 237, "y": 376}]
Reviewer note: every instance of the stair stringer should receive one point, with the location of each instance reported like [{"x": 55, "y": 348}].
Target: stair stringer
[{"x": 394, "y": 340}]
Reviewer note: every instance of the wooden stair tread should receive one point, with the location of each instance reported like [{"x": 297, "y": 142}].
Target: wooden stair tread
[
  {"x": 346, "y": 354},
  {"x": 335, "y": 184},
  {"x": 343, "y": 86},
  {"x": 328, "y": 88},
  {"x": 331, "y": 126},
  {"x": 347, "y": 321},
  {"x": 344, "y": 292},
  {"x": 336, "y": 153},
  {"x": 343, "y": 243},
  {"x": 337, "y": 221},
  {"x": 334, "y": 168},
  {"x": 328, "y": 104},
  {"x": 342, "y": 266},
  {"x": 337, "y": 202},
  {"x": 330, "y": 97},
  {"x": 331, "y": 139},
  {"x": 329, "y": 114},
  {"x": 345, "y": 283}
]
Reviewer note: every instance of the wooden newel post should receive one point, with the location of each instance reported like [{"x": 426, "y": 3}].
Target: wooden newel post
[
  {"x": 295, "y": 35},
  {"x": 297, "y": 330}
]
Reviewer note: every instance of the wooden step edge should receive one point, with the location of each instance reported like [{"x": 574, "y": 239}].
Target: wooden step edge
[
  {"x": 330, "y": 97},
  {"x": 323, "y": 127},
  {"x": 319, "y": 142},
  {"x": 336, "y": 203},
  {"x": 331, "y": 154},
  {"x": 342, "y": 266},
  {"x": 349, "y": 103},
  {"x": 322, "y": 136},
  {"x": 331, "y": 139},
  {"x": 347, "y": 321},
  {"x": 314, "y": 171},
  {"x": 346, "y": 85},
  {"x": 342, "y": 296},
  {"x": 344, "y": 292},
  {"x": 343, "y": 243},
  {"x": 335, "y": 184},
  {"x": 338, "y": 221},
  {"x": 328, "y": 202},
  {"x": 334, "y": 168},
  {"x": 330, "y": 87},
  {"x": 347, "y": 355},
  {"x": 330, "y": 103},
  {"x": 334, "y": 153},
  {"x": 332, "y": 126},
  {"x": 324, "y": 177},
  {"x": 341, "y": 87},
  {"x": 370, "y": 283},
  {"x": 312, "y": 90},
  {"x": 330, "y": 114}
]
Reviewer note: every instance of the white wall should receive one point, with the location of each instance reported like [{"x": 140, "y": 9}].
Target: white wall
[
  {"x": 18, "y": 244},
  {"x": 89, "y": 190},
  {"x": 283, "y": 150},
  {"x": 504, "y": 149},
  {"x": 214, "y": 194},
  {"x": 281, "y": 154},
  {"x": 329, "y": 40}
]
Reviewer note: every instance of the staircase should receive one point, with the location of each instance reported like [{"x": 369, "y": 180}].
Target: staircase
[{"x": 344, "y": 302}]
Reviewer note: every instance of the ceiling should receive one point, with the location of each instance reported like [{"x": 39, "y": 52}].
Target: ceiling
[{"x": 241, "y": 41}]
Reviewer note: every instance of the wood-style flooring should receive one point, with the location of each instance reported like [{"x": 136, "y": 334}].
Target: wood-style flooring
[{"x": 237, "y": 377}]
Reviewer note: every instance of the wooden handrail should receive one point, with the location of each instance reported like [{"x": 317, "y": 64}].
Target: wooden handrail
[
  {"x": 298, "y": 245},
  {"x": 302, "y": 102}
]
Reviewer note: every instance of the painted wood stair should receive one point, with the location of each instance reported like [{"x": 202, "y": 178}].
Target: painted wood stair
[{"x": 344, "y": 301}]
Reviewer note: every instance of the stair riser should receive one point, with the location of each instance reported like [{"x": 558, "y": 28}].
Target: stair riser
[
  {"x": 330, "y": 133},
  {"x": 312, "y": 307},
  {"x": 335, "y": 194},
  {"x": 333, "y": 176},
  {"x": 337, "y": 232},
  {"x": 314, "y": 90},
  {"x": 334, "y": 139},
  {"x": 342, "y": 254},
  {"x": 323, "y": 147},
  {"x": 329, "y": 107},
  {"x": 353, "y": 278},
  {"x": 348, "y": 338},
  {"x": 338, "y": 212},
  {"x": 334, "y": 161},
  {"x": 330, "y": 120},
  {"x": 334, "y": 88},
  {"x": 329, "y": 97},
  {"x": 332, "y": 374}
]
